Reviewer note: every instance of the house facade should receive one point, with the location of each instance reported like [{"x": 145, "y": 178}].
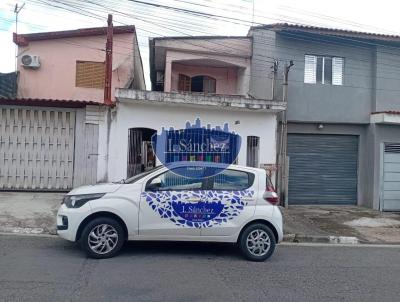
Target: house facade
[
  {"x": 343, "y": 112},
  {"x": 201, "y": 80},
  {"x": 70, "y": 64},
  {"x": 49, "y": 128}
]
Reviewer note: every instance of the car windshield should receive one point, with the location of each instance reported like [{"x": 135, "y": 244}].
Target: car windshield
[{"x": 140, "y": 176}]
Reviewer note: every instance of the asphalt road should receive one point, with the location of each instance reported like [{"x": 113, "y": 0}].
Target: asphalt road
[{"x": 51, "y": 269}]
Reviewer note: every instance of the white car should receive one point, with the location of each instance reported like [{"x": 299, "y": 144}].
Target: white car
[{"x": 184, "y": 203}]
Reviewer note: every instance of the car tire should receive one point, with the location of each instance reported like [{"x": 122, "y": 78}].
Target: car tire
[
  {"x": 257, "y": 242},
  {"x": 102, "y": 237}
]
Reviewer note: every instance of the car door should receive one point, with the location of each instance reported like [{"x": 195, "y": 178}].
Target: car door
[
  {"x": 237, "y": 191},
  {"x": 169, "y": 203}
]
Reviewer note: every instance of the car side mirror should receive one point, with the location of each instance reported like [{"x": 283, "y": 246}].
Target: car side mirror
[{"x": 155, "y": 184}]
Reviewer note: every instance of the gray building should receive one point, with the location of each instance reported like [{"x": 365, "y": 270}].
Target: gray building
[{"x": 343, "y": 111}]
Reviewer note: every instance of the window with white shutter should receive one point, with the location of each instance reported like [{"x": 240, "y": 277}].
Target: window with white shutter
[
  {"x": 310, "y": 69},
  {"x": 337, "y": 71},
  {"x": 323, "y": 70}
]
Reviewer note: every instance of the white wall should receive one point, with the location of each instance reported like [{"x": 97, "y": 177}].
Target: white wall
[{"x": 131, "y": 115}]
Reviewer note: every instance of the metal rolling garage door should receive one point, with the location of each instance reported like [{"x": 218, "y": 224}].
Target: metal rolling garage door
[
  {"x": 322, "y": 169},
  {"x": 391, "y": 178},
  {"x": 36, "y": 149}
]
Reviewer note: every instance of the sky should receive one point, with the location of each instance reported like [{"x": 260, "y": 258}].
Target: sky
[{"x": 51, "y": 15}]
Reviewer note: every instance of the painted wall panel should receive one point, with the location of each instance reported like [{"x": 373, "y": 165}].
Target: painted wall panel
[
  {"x": 349, "y": 103},
  {"x": 131, "y": 115}
]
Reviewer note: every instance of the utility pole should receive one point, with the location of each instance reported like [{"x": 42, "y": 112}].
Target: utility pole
[
  {"x": 16, "y": 11},
  {"x": 109, "y": 53},
  {"x": 273, "y": 83},
  {"x": 252, "y": 19},
  {"x": 283, "y": 159}
]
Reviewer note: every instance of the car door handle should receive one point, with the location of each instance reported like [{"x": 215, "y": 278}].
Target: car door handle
[
  {"x": 247, "y": 198},
  {"x": 193, "y": 199}
]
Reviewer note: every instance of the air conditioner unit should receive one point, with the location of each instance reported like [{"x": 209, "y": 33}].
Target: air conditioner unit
[{"x": 30, "y": 61}]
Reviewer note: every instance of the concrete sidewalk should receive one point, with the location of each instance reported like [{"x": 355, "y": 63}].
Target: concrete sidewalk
[
  {"x": 327, "y": 223},
  {"x": 29, "y": 212}
]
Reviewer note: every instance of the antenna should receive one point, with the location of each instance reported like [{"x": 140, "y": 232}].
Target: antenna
[
  {"x": 16, "y": 11},
  {"x": 252, "y": 18}
]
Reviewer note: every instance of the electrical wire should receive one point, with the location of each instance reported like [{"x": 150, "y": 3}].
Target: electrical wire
[{"x": 269, "y": 61}]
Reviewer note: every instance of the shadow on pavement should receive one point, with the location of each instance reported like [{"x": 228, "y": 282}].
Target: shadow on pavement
[{"x": 170, "y": 248}]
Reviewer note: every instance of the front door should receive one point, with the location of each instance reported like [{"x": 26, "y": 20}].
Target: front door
[
  {"x": 170, "y": 203},
  {"x": 236, "y": 191}
]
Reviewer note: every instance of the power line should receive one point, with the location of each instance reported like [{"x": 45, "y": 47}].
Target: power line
[
  {"x": 301, "y": 61},
  {"x": 269, "y": 57},
  {"x": 190, "y": 35},
  {"x": 344, "y": 21},
  {"x": 207, "y": 48},
  {"x": 193, "y": 12},
  {"x": 266, "y": 61}
]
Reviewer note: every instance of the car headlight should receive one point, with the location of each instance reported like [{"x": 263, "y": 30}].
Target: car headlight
[{"x": 76, "y": 201}]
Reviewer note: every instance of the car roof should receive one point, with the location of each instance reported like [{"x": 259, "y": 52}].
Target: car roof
[{"x": 209, "y": 164}]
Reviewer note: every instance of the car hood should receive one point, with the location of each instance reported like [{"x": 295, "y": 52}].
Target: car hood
[{"x": 93, "y": 189}]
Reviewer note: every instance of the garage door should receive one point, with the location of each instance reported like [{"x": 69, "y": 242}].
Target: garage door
[
  {"x": 322, "y": 169},
  {"x": 391, "y": 178},
  {"x": 36, "y": 149}
]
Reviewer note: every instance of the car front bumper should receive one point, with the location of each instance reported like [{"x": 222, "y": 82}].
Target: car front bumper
[{"x": 69, "y": 220}]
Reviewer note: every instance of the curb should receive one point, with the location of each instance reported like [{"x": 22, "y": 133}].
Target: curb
[
  {"x": 27, "y": 231},
  {"x": 299, "y": 238},
  {"x": 40, "y": 235}
]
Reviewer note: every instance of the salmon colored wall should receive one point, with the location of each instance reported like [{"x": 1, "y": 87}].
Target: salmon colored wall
[
  {"x": 55, "y": 79},
  {"x": 226, "y": 77},
  {"x": 232, "y": 79}
]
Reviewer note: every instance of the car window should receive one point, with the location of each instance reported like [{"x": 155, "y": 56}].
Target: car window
[
  {"x": 232, "y": 180},
  {"x": 139, "y": 176},
  {"x": 183, "y": 178}
]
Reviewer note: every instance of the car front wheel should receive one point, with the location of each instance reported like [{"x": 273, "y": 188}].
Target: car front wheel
[
  {"x": 257, "y": 242},
  {"x": 102, "y": 237}
]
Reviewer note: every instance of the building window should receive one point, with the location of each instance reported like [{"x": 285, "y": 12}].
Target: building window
[
  {"x": 200, "y": 83},
  {"x": 203, "y": 84},
  {"x": 90, "y": 74},
  {"x": 184, "y": 83},
  {"x": 323, "y": 70},
  {"x": 253, "y": 151}
]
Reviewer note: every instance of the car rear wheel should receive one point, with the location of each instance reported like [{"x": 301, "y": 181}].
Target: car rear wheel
[
  {"x": 102, "y": 237},
  {"x": 257, "y": 242}
]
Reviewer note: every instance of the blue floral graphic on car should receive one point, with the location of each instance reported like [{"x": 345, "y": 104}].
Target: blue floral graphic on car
[{"x": 212, "y": 207}]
